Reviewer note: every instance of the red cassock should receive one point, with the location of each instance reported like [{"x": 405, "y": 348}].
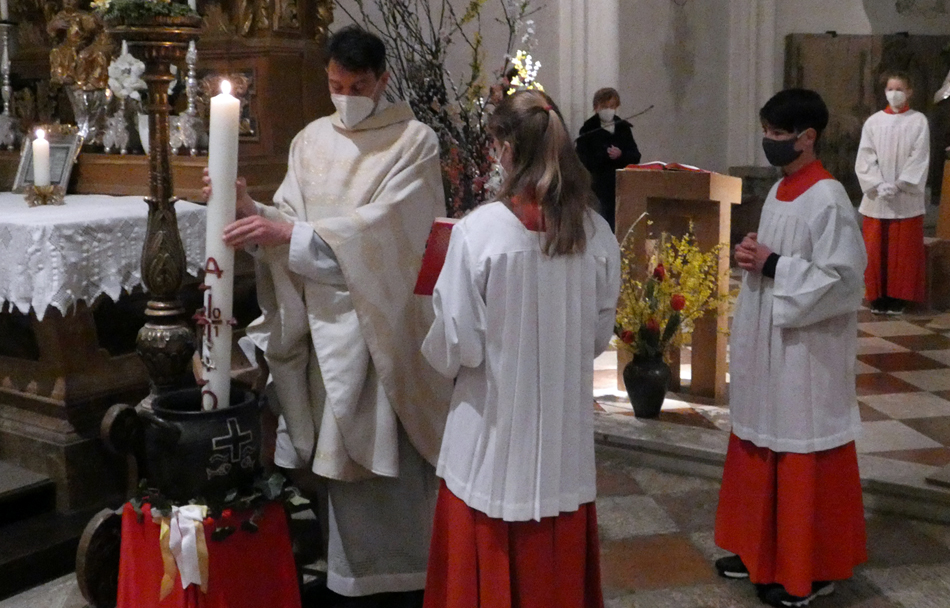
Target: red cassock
[
  {"x": 476, "y": 561},
  {"x": 792, "y": 518},
  {"x": 896, "y": 258},
  {"x": 245, "y": 570}
]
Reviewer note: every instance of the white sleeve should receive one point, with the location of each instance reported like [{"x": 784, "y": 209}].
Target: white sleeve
[
  {"x": 608, "y": 290},
  {"x": 866, "y": 165},
  {"x": 913, "y": 174},
  {"x": 457, "y": 335},
  {"x": 311, "y": 257},
  {"x": 829, "y": 284}
]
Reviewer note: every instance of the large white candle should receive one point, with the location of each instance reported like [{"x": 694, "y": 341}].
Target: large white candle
[
  {"x": 192, "y": 4},
  {"x": 219, "y": 266},
  {"x": 40, "y": 159},
  {"x": 4, "y": 11}
]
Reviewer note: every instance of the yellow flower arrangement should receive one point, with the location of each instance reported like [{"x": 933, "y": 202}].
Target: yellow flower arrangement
[{"x": 656, "y": 311}]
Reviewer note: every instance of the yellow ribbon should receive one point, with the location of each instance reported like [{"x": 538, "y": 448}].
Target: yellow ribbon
[{"x": 169, "y": 563}]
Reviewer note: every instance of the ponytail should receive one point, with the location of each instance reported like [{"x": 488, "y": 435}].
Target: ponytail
[{"x": 545, "y": 168}]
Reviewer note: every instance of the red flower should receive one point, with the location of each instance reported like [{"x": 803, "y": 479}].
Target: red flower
[
  {"x": 653, "y": 325},
  {"x": 677, "y": 302},
  {"x": 226, "y": 514},
  {"x": 627, "y": 336},
  {"x": 659, "y": 273}
]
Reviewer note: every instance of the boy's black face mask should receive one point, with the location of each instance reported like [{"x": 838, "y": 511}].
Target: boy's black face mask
[{"x": 780, "y": 152}]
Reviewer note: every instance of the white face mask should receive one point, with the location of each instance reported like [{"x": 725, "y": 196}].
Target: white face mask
[
  {"x": 897, "y": 99},
  {"x": 607, "y": 114},
  {"x": 353, "y": 109}
]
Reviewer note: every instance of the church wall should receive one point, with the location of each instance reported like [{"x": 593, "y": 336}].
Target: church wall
[
  {"x": 926, "y": 17},
  {"x": 674, "y": 55}
]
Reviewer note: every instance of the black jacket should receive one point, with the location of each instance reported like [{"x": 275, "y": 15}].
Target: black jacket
[{"x": 592, "y": 147}]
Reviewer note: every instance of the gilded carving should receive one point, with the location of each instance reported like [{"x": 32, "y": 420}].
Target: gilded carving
[
  {"x": 324, "y": 19},
  {"x": 285, "y": 15},
  {"x": 72, "y": 30}
]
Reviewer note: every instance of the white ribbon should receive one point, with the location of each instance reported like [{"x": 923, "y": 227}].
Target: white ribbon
[{"x": 185, "y": 525}]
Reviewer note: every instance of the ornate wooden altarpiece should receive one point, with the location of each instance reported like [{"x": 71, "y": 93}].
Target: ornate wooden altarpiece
[{"x": 58, "y": 377}]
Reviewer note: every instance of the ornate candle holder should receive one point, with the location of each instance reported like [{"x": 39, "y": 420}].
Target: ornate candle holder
[
  {"x": 9, "y": 126},
  {"x": 166, "y": 343},
  {"x": 37, "y": 196}
]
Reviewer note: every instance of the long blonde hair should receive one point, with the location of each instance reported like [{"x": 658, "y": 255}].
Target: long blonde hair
[{"x": 545, "y": 168}]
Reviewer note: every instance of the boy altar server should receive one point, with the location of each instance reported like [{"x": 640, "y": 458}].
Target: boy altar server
[
  {"x": 790, "y": 504},
  {"x": 341, "y": 329},
  {"x": 892, "y": 164}
]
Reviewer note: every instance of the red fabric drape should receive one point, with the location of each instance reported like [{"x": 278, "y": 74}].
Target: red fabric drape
[
  {"x": 792, "y": 518},
  {"x": 245, "y": 570},
  {"x": 476, "y": 561},
  {"x": 896, "y": 258}
]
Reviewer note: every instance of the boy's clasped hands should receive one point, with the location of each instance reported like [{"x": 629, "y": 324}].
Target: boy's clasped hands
[{"x": 751, "y": 254}]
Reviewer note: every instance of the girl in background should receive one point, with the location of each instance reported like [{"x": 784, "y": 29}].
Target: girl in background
[{"x": 892, "y": 164}]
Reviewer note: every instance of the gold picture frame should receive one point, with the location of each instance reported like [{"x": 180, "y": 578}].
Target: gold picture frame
[{"x": 64, "y": 145}]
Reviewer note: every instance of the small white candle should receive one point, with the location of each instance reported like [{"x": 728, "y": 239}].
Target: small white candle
[
  {"x": 192, "y": 4},
  {"x": 223, "y": 131},
  {"x": 40, "y": 159},
  {"x": 4, "y": 11}
]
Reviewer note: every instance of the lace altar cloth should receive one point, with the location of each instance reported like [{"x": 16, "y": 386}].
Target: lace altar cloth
[{"x": 55, "y": 256}]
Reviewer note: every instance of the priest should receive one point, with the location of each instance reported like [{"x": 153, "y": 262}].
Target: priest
[{"x": 338, "y": 254}]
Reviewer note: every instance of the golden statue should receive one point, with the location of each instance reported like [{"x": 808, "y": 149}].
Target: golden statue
[
  {"x": 92, "y": 66},
  {"x": 71, "y": 30}
]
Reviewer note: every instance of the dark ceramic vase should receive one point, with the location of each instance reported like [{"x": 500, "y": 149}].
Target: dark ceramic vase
[
  {"x": 192, "y": 453},
  {"x": 646, "y": 380}
]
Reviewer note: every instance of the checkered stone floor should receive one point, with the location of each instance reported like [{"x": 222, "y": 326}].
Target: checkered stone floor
[{"x": 903, "y": 387}]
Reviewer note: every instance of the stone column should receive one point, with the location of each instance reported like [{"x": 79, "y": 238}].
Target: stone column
[
  {"x": 588, "y": 56},
  {"x": 752, "y": 60}
]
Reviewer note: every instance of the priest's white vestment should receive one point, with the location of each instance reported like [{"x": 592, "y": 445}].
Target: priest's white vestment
[
  {"x": 793, "y": 340},
  {"x": 341, "y": 331}
]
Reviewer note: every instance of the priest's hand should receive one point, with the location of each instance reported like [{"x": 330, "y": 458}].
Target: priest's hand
[
  {"x": 750, "y": 254},
  {"x": 257, "y": 230},
  {"x": 244, "y": 206},
  {"x": 614, "y": 152}
]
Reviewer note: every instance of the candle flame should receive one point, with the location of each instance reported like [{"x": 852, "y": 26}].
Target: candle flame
[
  {"x": 40, "y": 134},
  {"x": 225, "y": 87}
]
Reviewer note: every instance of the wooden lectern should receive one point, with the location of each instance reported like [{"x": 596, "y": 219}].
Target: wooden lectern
[{"x": 672, "y": 200}]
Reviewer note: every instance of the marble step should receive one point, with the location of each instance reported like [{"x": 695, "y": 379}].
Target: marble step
[{"x": 23, "y": 493}]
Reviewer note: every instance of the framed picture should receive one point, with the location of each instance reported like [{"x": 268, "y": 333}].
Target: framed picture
[{"x": 64, "y": 144}]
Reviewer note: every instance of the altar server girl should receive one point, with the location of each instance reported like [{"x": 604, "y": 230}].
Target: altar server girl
[{"x": 525, "y": 301}]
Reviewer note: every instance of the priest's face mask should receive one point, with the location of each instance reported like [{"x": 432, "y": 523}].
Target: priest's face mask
[{"x": 355, "y": 95}]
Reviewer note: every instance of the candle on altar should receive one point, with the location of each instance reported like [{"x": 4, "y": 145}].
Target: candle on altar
[
  {"x": 4, "y": 11},
  {"x": 192, "y": 4},
  {"x": 40, "y": 159},
  {"x": 219, "y": 264}
]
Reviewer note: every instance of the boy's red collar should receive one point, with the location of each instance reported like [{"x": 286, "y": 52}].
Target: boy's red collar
[{"x": 794, "y": 185}]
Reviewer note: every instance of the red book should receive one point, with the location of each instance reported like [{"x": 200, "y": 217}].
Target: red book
[
  {"x": 661, "y": 166},
  {"x": 434, "y": 258}
]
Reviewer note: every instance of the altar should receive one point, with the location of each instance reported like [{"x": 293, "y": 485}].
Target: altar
[{"x": 59, "y": 371}]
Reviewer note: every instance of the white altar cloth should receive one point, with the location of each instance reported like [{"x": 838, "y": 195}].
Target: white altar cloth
[{"x": 56, "y": 256}]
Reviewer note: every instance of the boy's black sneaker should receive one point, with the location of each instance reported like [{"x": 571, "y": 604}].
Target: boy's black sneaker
[
  {"x": 775, "y": 595},
  {"x": 731, "y": 567}
]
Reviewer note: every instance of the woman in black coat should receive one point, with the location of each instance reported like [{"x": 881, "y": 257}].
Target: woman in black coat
[{"x": 606, "y": 144}]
